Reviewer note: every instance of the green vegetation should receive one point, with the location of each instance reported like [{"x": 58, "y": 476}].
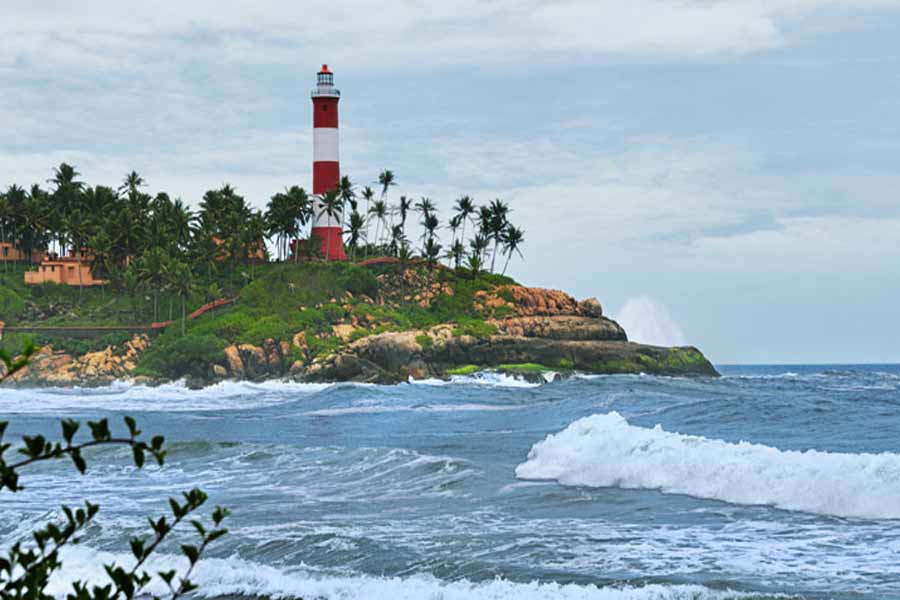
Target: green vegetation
[
  {"x": 525, "y": 367},
  {"x": 475, "y": 328},
  {"x": 425, "y": 341},
  {"x": 188, "y": 356},
  {"x": 674, "y": 360},
  {"x": 464, "y": 370}
]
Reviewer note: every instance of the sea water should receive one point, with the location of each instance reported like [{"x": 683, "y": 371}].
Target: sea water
[{"x": 769, "y": 482}]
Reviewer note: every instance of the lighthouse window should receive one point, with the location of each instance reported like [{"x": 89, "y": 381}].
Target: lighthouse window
[{"x": 324, "y": 108}]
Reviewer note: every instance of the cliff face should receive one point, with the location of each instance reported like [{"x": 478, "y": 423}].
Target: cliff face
[{"x": 541, "y": 330}]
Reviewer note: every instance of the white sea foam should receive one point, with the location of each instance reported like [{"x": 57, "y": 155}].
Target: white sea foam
[
  {"x": 234, "y": 576},
  {"x": 605, "y": 451},
  {"x": 486, "y": 378},
  {"x": 172, "y": 397}
]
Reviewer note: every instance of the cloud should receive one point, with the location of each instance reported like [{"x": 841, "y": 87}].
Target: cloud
[{"x": 401, "y": 35}]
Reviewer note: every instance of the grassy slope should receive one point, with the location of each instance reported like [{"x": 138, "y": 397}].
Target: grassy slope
[
  {"x": 280, "y": 301},
  {"x": 286, "y": 299}
]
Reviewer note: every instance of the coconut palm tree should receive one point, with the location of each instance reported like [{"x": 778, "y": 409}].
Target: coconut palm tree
[
  {"x": 432, "y": 251},
  {"x": 430, "y": 224},
  {"x": 301, "y": 209},
  {"x": 151, "y": 270},
  {"x": 513, "y": 238},
  {"x": 180, "y": 280},
  {"x": 386, "y": 180},
  {"x": 454, "y": 223},
  {"x": 355, "y": 225},
  {"x": 465, "y": 208},
  {"x": 78, "y": 226},
  {"x": 347, "y": 192},
  {"x": 497, "y": 223},
  {"x": 478, "y": 244},
  {"x": 368, "y": 193},
  {"x": 131, "y": 183},
  {"x": 378, "y": 213},
  {"x": 281, "y": 221},
  {"x": 425, "y": 206},
  {"x": 397, "y": 239},
  {"x": 456, "y": 253}
]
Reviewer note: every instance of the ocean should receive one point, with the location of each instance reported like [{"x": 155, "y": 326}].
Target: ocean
[{"x": 771, "y": 482}]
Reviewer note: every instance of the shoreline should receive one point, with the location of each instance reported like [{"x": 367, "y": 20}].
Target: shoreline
[{"x": 357, "y": 365}]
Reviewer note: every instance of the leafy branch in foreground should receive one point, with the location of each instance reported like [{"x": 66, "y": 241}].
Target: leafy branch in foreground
[
  {"x": 26, "y": 569},
  {"x": 13, "y": 365}
]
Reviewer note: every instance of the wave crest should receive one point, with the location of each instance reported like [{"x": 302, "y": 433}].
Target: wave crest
[
  {"x": 606, "y": 451},
  {"x": 227, "y": 577}
]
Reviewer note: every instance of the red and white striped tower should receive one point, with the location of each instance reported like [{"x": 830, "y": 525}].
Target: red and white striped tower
[{"x": 326, "y": 163}]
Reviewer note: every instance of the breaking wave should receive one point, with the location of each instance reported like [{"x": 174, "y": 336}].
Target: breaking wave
[
  {"x": 170, "y": 397},
  {"x": 605, "y": 451},
  {"x": 229, "y": 577}
]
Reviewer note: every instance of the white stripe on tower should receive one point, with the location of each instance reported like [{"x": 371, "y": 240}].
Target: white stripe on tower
[{"x": 325, "y": 144}]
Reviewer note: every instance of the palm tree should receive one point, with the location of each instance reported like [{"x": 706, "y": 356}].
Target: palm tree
[
  {"x": 456, "y": 253},
  {"x": 497, "y": 223},
  {"x": 367, "y": 193},
  {"x": 431, "y": 252},
  {"x": 180, "y": 279},
  {"x": 66, "y": 198},
  {"x": 397, "y": 239},
  {"x": 101, "y": 245},
  {"x": 378, "y": 212},
  {"x": 430, "y": 223},
  {"x": 79, "y": 230},
  {"x": 151, "y": 269},
  {"x": 281, "y": 222},
  {"x": 478, "y": 244},
  {"x": 131, "y": 183},
  {"x": 464, "y": 210},
  {"x": 354, "y": 228},
  {"x": 347, "y": 193},
  {"x": 386, "y": 180},
  {"x": 425, "y": 206},
  {"x": 301, "y": 209},
  {"x": 454, "y": 223},
  {"x": 513, "y": 238}
]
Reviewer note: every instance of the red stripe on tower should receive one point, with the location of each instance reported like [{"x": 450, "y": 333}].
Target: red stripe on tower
[{"x": 326, "y": 164}]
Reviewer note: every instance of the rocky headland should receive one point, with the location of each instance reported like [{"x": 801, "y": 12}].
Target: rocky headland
[{"x": 539, "y": 334}]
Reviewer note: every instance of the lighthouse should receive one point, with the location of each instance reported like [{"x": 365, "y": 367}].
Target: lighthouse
[{"x": 326, "y": 164}]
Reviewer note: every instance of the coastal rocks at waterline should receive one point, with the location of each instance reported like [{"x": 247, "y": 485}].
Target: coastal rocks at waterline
[
  {"x": 439, "y": 352},
  {"x": 58, "y": 367}
]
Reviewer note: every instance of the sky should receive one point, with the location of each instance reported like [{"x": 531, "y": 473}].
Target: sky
[{"x": 731, "y": 162}]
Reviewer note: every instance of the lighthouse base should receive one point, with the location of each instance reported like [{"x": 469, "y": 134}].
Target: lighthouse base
[{"x": 332, "y": 242}]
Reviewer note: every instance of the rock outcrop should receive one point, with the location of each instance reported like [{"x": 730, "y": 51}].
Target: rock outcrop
[
  {"x": 395, "y": 357},
  {"x": 57, "y": 367},
  {"x": 536, "y": 328},
  {"x": 562, "y": 328}
]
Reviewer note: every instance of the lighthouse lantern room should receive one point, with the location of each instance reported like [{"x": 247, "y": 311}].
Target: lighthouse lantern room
[{"x": 326, "y": 164}]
